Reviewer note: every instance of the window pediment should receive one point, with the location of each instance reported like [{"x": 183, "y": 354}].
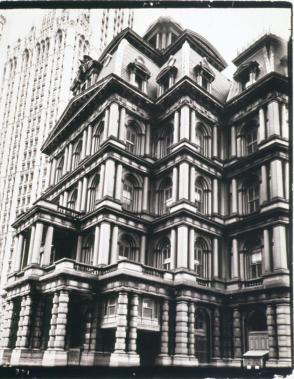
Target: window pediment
[
  {"x": 203, "y": 68},
  {"x": 245, "y": 69},
  {"x": 140, "y": 69},
  {"x": 166, "y": 72}
]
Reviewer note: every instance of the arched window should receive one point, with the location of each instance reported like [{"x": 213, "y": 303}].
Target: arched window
[
  {"x": 248, "y": 136},
  {"x": 87, "y": 249},
  {"x": 202, "y": 197},
  {"x": 164, "y": 195},
  {"x": 133, "y": 137},
  {"x": 93, "y": 192},
  {"x": 165, "y": 141},
  {"x": 251, "y": 194},
  {"x": 201, "y": 258},
  {"x": 253, "y": 257},
  {"x": 97, "y": 136},
  {"x": 59, "y": 169},
  {"x": 76, "y": 154},
  {"x": 72, "y": 199},
  {"x": 127, "y": 248},
  {"x": 162, "y": 254},
  {"x": 257, "y": 332},
  {"x": 202, "y": 139},
  {"x": 130, "y": 193}
]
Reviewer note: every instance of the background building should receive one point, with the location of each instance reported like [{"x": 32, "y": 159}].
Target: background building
[
  {"x": 2, "y": 23},
  {"x": 163, "y": 236},
  {"x": 38, "y": 72}
]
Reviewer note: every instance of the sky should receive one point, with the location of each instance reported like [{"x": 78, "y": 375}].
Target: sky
[{"x": 229, "y": 30}]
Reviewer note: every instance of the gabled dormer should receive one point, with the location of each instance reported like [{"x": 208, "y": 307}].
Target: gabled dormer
[{"x": 163, "y": 33}]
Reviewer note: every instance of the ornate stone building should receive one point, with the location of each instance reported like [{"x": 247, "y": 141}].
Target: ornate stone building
[{"x": 162, "y": 238}]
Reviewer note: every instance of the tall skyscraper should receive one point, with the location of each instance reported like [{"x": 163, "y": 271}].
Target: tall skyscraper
[
  {"x": 2, "y": 23},
  {"x": 38, "y": 73}
]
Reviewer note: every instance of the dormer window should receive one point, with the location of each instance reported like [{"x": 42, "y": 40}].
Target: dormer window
[
  {"x": 139, "y": 74},
  {"x": 166, "y": 77},
  {"x": 204, "y": 75},
  {"x": 247, "y": 74}
]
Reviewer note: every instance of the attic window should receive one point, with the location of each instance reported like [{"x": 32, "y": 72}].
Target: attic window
[
  {"x": 166, "y": 77},
  {"x": 204, "y": 75},
  {"x": 247, "y": 74},
  {"x": 139, "y": 74}
]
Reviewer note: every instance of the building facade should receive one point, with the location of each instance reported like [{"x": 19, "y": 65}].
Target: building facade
[
  {"x": 163, "y": 236},
  {"x": 38, "y": 73}
]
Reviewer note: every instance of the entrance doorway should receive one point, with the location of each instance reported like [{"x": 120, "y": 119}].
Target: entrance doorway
[
  {"x": 202, "y": 336},
  {"x": 148, "y": 347}
]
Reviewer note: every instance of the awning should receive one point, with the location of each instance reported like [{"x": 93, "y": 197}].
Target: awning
[{"x": 255, "y": 353}]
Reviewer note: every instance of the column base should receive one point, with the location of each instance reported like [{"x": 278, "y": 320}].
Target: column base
[
  {"x": 5, "y": 355},
  {"x": 185, "y": 360},
  {"x": 118, "y": 359},
  {"x": 95, "y": 358},
  {"x": 26, "y": 357},
  {"x": 163, "y": 360},
  {"x": 54, "y": 358}
]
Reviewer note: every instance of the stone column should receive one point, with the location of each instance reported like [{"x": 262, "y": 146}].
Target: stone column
[
  {"x": 215, "y": 141},
  {"x": 106, "y": 124},
  {"x": 84, "y": 144},
  {"x": 7, "y": 321},
  {"x": 184, "y": 181},
  {"x": 193, "y": 126},
  {"x": 37, "y": 243},
  {"x": 109, "y": 178},
  {"x": 271, "y": 329},
  {"x": 173, "y": 248},
  {"x": 287, "y": 180},
  {"x": 32, "y": 239},
  {"x": 24, "y": 325},
  {"x": 285, "y": 126},
  {"x": 235, "y": 259},
  {"x": 53, "y": 172},
  {"x": 69, "y": 157},
  {"x": 276, "y": 179},
  {"x": 273, "y": 118},
  {"x": 122, "y": 125},
  {"x": 191, "y": 335},
  {"x": 237, "y": 333},
  {"x": 84, "y": 194},
  {"x": 54, "y": 313},
  {"x": 89, "y": 140},
  {"x": 216, "y": 333},
  {"x": 114, "y": 247},
  {"x": 104, "y": 243},
  {"x": 64, "y": 168},
  {"x": 234, "y": 196},
  {"x": 233, "y": 141},
  {"x": 18, "y": 253},
  {"x": 79, "y": 196},
  {"x": 181, "y": 332},
  {"x": 143, "y": 249},
  {"x": 176, "y": 127},
  {"x": 88, "y": 327},
  {"x": 215, "y": 196},
  {"x": 145, "y": 193},
  {"x": 284, "y": 326},
  {"x": 38, "y": 324},
  {"x": 79, "y": 249},
  {"x": 164, "y": 328},
  {"x": 279, "y": 248},
  {"x": 263, "y": 185},
  {"x": 215, "y": 258},
  {"x": 261, "y": 130},
  {"x": 191, "y": 248},
  {"x": 133, "y": 321},
  {"x": 65, "y": 198},
  {"x": 96, "y": 246},
  {"x": 185, "y": 122},
  {"x": 101, "y": 181},
  {"x": 61, "y": 320},
  {"x": 122, "y": 322},
  {"x": 182, "y": 249},
  {"x": 192, "y": 184},
  {"x": 113, "y": 120},
  {"x": 266, "y": 251},
  {"x": 175, "y": 184},
  {"x": 118, "y": 182},
  {"x": 95, "y": 324}
]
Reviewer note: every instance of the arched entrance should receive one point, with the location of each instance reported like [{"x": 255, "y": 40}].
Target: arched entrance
[
  {"x": 202, "y": 336},
  {"x": 256, "y": 328}
]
